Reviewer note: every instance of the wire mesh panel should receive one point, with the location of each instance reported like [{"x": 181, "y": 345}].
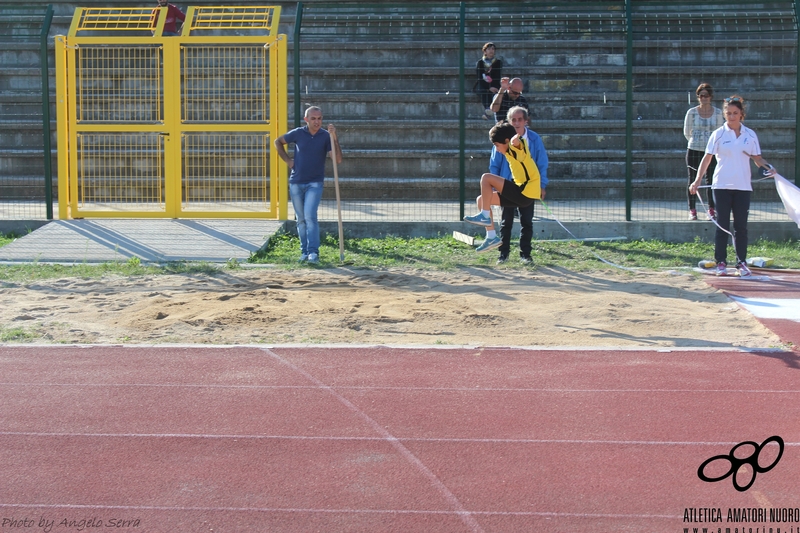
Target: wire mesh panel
[
  {"x": 571, "y": 58},
  {"x": 25, "y": 136},
  {"x": 119, "y": 84},
  {"x": 738, "y": 48},
  {"x": 263, "y": 19},
  {"x": 120, "y": 171},
  {"x": 226, "y": 171},
  {"x": 225, "y": 84},
  {"x": 113, "y": 20},
  {"x": 387, "y": 76},
  {"x": 391, "y": 84}
]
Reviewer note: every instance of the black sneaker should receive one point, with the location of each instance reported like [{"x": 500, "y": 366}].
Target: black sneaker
[
  {"x": 526, "y": 260},
  {"x": 502, "y": 259}
]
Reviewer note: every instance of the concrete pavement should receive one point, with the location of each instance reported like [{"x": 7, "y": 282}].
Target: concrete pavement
[{"x": 151, "y": 241}]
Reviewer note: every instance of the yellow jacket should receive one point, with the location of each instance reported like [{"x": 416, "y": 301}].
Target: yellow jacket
[{"x": 524, "y": 171}]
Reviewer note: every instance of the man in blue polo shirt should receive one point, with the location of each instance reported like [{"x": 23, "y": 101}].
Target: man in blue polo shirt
[
  {"x": 498, "y": 165},
  {"x": 312, "y": 144}
]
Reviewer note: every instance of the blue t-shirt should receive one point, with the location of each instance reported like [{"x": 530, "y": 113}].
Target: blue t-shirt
[{"x": 310, "y": 152}]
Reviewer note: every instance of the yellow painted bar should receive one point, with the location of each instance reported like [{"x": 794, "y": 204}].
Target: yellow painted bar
[
  {"x": 172, "y": 126},
  {"x": 71, "y": 144},
  {"x": 279, "y": 122},
  {"x": 61, "y": 126}
]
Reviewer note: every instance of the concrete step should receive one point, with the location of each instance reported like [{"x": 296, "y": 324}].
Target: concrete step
[
  {"x": 422, "y": 134},
  {"x": 20, "y": 54},
  {"x": 21, "y": 135},
  {"x": 660, "y": 134},
  {"x": 24, "y": 162},
  {"x": 21, "y": 105},
  {"x": 24, "y": 188},
  {"x": 22, "y": 79}
]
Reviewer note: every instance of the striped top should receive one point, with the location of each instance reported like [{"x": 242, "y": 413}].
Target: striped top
[{"x": 697, "y": 129}]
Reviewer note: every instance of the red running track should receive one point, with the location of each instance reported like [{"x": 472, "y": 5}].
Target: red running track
[{"x": 241, "y": 439}]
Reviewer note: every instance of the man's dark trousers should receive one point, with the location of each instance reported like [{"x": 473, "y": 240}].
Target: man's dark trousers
[{"x": 526, "y": 233}]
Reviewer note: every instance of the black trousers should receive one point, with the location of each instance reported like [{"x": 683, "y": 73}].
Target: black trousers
[
  {"x": 485, "y": 94},
  {"x": 737, "y": 203},
  {"x": 693, "y": 158},
  {"x": 526, "y": 233}
]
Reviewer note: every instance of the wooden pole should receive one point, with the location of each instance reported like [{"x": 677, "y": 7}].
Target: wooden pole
[{"x": 338, "y": 198}]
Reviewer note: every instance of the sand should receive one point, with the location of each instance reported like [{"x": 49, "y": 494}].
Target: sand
[{"x": 473, "y": 307}]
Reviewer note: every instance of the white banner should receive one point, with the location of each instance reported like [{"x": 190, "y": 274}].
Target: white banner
[{"x": 790, "y": 195}]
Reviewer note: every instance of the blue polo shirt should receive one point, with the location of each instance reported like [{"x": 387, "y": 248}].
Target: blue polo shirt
[{"x": 310, "y": 152}]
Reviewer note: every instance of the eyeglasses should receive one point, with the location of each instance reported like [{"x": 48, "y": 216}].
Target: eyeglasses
[
  {"x": 704, "y": 95},
  {"x": 514, "y": 92},
  {"x": 733, "y": 99}
]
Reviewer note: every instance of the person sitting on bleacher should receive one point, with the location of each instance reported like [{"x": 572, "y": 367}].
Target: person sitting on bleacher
[{"x": 174, "y": 16}]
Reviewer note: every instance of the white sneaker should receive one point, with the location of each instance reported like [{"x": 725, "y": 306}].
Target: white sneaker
[
  {"x": 744, "y": 272},
  {"x": 313, "y": 258}
]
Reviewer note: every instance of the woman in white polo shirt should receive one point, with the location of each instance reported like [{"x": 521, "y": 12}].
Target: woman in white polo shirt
[{"x": 734, "y": 144}]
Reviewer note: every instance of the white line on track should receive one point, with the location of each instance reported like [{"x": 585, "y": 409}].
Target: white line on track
[
  {"x": 465, "y": 516},
  {"x": 370, "y": 439},
  {"x": 439, "y": 347},
  {"x": 399, "y": 389},
  {"x": 333, "y": 511}
]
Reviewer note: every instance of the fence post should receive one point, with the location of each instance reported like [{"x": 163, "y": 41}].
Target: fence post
[
  {"x": 629, "y": 110},
  {"x": 796, "y": 103},
  {"x": 48, "y": 152},
  {"x": 298, "y": 21},
  {"x": 461, "y": 113}
]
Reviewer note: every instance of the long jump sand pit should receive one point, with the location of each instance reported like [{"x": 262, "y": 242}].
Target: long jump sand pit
[{"x": 489, "y": 307}]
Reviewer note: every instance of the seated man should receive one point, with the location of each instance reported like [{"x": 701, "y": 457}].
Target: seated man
[{"x": 509, "y": 95}]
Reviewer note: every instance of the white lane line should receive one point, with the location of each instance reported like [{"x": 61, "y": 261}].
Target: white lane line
[
  {"x": 415, "y": 461},
  {"x": 476, "y": 440},
  {"x": 399, "y": 389},
  {"x": 332, "y": 511}
]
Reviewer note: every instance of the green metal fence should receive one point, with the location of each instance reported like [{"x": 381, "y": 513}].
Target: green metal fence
[
  {"x": 608, "y": 84},
  {"x": 26, "y": 190},
  {"x": 606, "y": 81}
]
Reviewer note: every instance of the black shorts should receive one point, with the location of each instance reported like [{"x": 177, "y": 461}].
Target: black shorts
[{"x": 512, "y": 196}]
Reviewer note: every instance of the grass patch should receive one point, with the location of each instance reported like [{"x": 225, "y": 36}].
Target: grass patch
[
  {"x": 445, "y": 253},
  {"x": 16, "y": 334},
  {"x": 437, "y": 253},
  {"x": 28, "y": 272}
]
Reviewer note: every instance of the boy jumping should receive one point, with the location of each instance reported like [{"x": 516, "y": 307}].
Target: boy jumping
[{"x": 496, "y": 190}]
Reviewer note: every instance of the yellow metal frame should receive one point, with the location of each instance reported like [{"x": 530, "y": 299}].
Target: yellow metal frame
[{"x": 87, "y": 111}]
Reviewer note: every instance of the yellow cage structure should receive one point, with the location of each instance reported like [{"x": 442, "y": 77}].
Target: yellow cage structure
[{"x": 159, "y": 126}]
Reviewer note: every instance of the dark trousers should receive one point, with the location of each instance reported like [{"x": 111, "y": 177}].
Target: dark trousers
[
  {"x": 526, "y": 233},
  {"x": 693, "y": 158},
  {"x": 737, "y": 203},
  {"x": 485, "y": 94}
]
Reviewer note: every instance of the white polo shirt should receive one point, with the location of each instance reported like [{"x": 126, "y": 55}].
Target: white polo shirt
[{"x": 733, "y": 157}]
